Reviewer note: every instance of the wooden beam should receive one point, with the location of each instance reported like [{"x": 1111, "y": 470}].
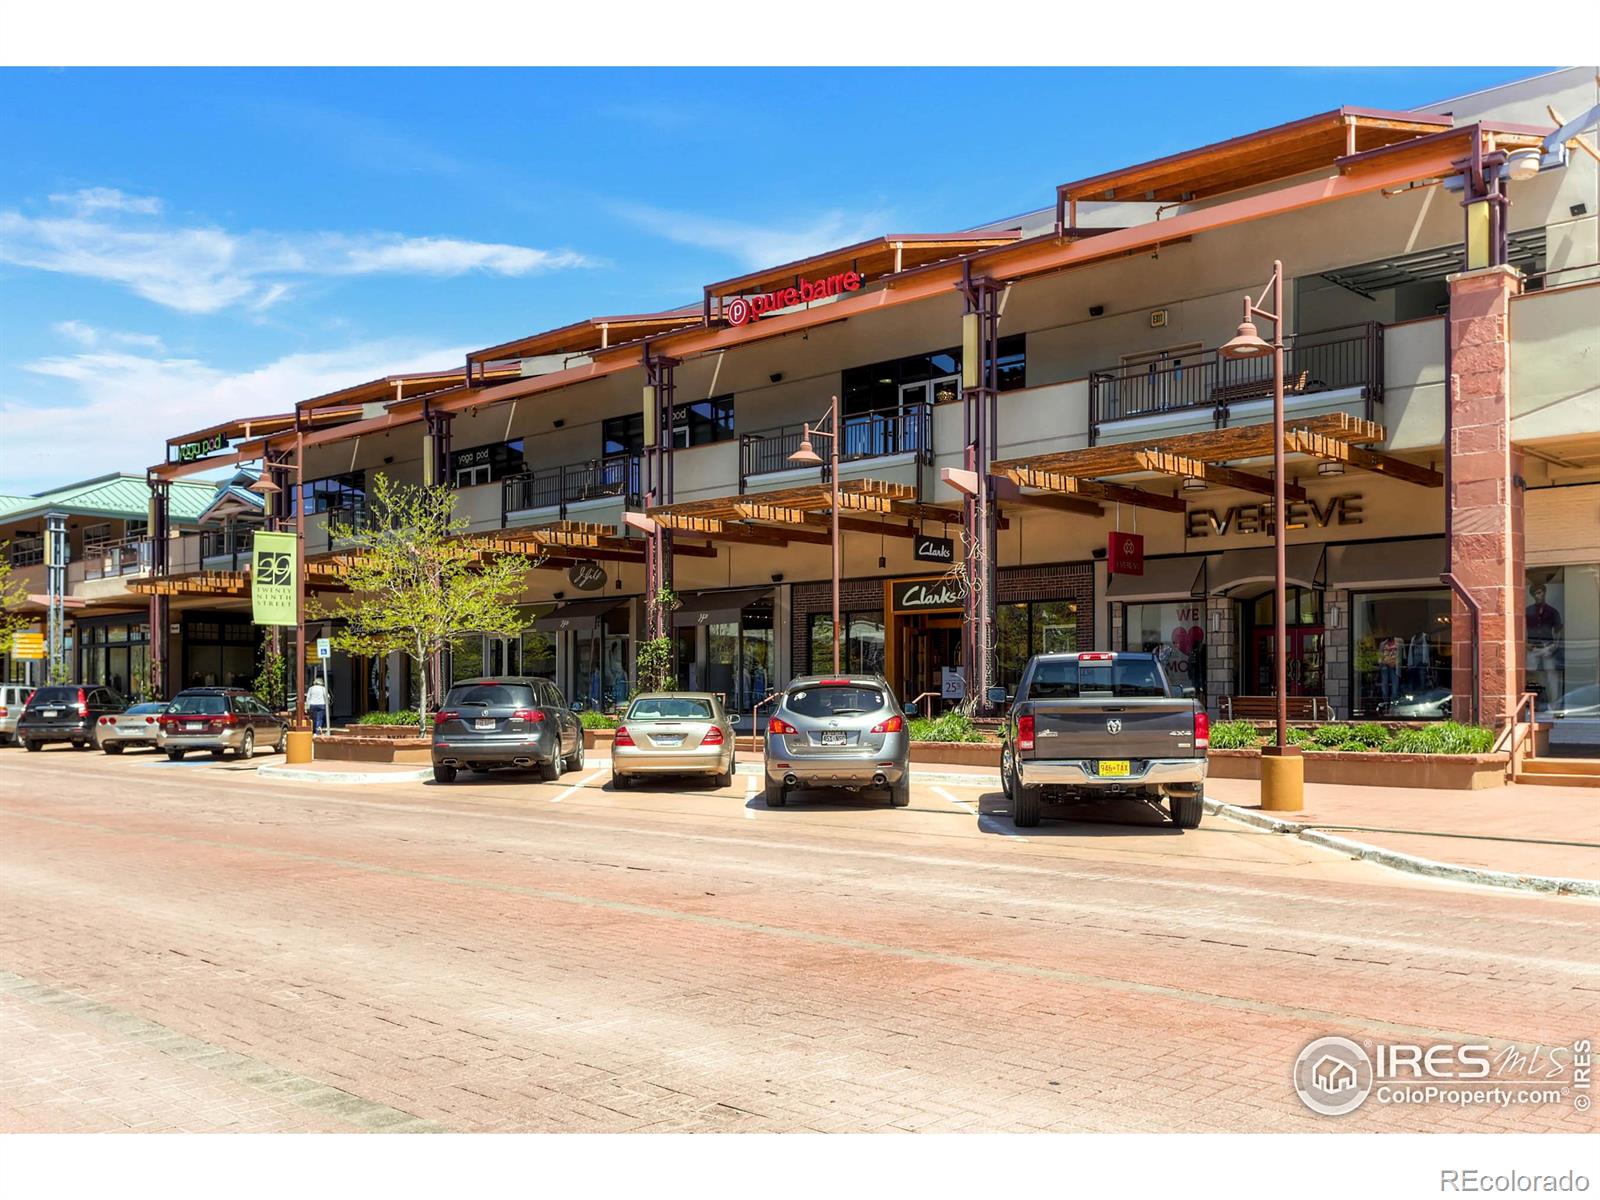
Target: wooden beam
[
  {"x": 1006, "y": 491},
  {"x": 1091, "y": 489},
  {"x": 719, "y": 530},
  {"x": 1168, "y": 463},
  {"x": 812, "y": 520},
  {"x": 1303, "y": 441}
]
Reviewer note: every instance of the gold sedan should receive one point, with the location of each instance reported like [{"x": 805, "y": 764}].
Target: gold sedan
[{"x": 674, "y": 733}]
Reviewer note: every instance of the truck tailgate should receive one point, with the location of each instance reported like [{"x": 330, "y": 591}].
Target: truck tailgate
[{"x": 1095, "y": 728}]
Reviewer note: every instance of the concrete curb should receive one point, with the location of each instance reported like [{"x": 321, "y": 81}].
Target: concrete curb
[
  {"x": 301, "y": 775},
  {"x": 1414, "y": 864}
]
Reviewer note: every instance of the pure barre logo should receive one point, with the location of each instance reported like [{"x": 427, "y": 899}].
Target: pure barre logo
[
  {"x": 1257, "y": 518},
  {"x": 741, "y": 310}
]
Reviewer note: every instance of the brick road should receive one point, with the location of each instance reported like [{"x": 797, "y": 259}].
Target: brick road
[{"x": 187, "y": 947}]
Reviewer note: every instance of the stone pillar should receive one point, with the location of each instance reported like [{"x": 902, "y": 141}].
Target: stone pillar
[{"x": 1485, "y": 494}]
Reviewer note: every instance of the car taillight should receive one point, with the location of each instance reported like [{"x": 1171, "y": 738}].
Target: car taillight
[
  {"x": 1202, "y": 731},
  {"x": 1096, "y": 657},
  {"x": 835, "y": 683},
  {"x": 713, "y": 737},
  {"x": 894, "y": 724},
  {"x": 781, "y": 727},
  {"x": 528, "y": 714},
  {"x": 623, "y": 737},
  {"x": 228, "y": 719},
  {"x": 4, "y": 711},
  {"x": 445, "y": 714},
  {"x": 1024, "y": 733},
  {"x": 149, "y": 720},
  {"x": 83, "y": 704},
  {"x": 107, "y": 721}
]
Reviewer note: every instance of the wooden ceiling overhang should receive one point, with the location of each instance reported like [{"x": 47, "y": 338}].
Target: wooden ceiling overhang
[
  {"x": 795, "y": 514},
  {"x": 587, "y": 336},
  {"x": 1087, "y": 474},
  {"x": 1309, "y": 144}
]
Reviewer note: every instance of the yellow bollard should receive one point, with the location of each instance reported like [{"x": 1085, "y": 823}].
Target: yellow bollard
[
  {"x": 297, "y": 747},
  {"x": 1283, "y": 779}
]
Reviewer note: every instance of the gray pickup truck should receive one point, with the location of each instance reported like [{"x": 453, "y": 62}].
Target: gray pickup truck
[{"x": 1098, "y": 726}]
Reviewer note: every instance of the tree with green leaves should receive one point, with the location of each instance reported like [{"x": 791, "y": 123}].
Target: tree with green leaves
[
  {"x": 653, "y": 663},
  {"x": 417, "y": 583},
  {"x": 12, "y": 596}
]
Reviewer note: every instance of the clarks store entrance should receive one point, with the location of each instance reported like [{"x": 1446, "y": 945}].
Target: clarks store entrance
[{"x": 924, "y": 636}]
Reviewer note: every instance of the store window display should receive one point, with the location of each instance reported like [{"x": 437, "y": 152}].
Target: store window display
[
  {"x": 1562, "y": 632},
  {"x": 1175, "y": 634},
  {"x": 1401, "y": 659}
]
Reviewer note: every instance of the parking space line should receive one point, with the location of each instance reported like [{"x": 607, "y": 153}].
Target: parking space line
[
  {"x": 985, "y": 821},
  {"x": 582, "y": 783},
  {"x": 749, "y": 795}
]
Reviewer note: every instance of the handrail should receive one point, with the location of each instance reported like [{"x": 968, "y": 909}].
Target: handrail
[
  {"x": 1517, "y": 734},
  {"x": 570, "y": 483},
  {"x": 879, "y": 433}
]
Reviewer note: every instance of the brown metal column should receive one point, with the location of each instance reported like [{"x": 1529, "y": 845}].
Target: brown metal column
[
  {"x": 160, "y": 493},
  {"x": 981, "y": 411}
]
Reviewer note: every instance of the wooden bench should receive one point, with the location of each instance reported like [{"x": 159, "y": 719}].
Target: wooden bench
[
  {"x": 1265, "y": 708},
  {"x": 1256, "y": 389}
]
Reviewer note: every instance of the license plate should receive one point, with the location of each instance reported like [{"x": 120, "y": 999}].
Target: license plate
[
  {"x": 484, "y": 723},
  {"x": 1115, "y": 766},
  {"x": 834, "y": 737},
  {"x": 193, "y": 725},
  {"x": 669, "y": 739},
  {"x": 51, "y": 712}
]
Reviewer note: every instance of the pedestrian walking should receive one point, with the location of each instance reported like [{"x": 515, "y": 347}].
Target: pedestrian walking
[{"x": 317, "y": 705}]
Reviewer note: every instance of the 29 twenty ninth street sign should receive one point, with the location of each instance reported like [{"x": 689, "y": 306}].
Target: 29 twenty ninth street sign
[{"x": 272, "y": 579}]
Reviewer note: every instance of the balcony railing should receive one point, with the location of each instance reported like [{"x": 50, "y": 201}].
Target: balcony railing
[
  {"x": 572, "y": 483},
  {"x": 1322, "y": 361},
  {"x": 878, "y": 434},
  {"x": 131, "y": 556}
]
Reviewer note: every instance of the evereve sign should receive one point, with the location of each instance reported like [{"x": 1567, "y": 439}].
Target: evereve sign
[
  {"x": 1257, "y": 518},
  {"x": 741, "y": 310}
]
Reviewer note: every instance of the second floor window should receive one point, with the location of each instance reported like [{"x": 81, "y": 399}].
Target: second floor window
[
  {"x": 96, "y": 537},
  {"x": 933, "y": 378},
  {"x": 27, "y": 550},
  {"x": 344, "y": 493},
  {"x": 486, "y": 464},
  {"x": 696, "y": 423}
]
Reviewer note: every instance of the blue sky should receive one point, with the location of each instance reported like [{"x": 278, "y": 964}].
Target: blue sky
[{"x": 179, "y": 247}]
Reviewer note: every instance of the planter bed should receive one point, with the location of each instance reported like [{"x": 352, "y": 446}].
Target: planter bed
[
  {"x": 384, "y": 747},
  {"x": 1457, "y": 771}
]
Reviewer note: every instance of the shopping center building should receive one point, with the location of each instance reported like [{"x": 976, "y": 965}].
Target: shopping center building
[{"x": 1015, "y": 401}]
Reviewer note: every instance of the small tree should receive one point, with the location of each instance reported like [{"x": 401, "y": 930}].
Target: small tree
[
  {"x": 12, "y": 596},
  {"x": 416, "y": 584},
  {"x": 272, "y": 678},
  {"x": 653, "y": 664}
]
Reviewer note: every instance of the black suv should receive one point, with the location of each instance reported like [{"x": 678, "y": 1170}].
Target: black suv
[
  {"x": 517, "y": 722},
  {"x": 66, "y": 712}
]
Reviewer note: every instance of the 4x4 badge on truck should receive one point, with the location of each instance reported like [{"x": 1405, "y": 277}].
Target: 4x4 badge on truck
[{"x": 1114, "y": 725}]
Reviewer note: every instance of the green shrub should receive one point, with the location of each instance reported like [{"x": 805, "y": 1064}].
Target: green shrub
[
  {"x": 948, "y": 727},
  {"x": 1371, "y": 733},
  {"x": 404, "y": 717},
  {"x": 1234, "y": 735},
  {"x": 1332, "y": 736},
  {"x": 598, "y": 720}
]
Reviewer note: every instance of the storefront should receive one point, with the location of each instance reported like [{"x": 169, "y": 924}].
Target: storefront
[
  {"x": 114, "y": 651},
  {"x": 726, "y": 641},
  {"x": 1562, "y": 614},
  {"x": 591, "y": 644}
]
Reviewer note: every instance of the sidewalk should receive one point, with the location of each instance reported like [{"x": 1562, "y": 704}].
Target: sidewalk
[{"x": 1520, "y": 829}]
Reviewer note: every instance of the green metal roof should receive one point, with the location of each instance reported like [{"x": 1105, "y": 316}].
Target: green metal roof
[{"x": 124, "y": 496}]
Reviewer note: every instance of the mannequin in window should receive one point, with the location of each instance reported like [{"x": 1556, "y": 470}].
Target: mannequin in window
[
  {"x": 1419, "y": 658},
  {"x": 1544, "y": 647},
  {"x": 1389, "y": 668}
]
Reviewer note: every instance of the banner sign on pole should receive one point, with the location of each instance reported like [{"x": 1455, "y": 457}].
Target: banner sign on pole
[
  {"x": 273, "y": 582},
  {"x": 27, "y": 645}
]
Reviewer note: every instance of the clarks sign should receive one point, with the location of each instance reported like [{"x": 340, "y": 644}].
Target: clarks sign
[
  {"x": 934, "y": 549},
  {"x": 741, "y": 310},
  {"x": 925, "y": 595},
  {"x": 1257, "y": 518}
]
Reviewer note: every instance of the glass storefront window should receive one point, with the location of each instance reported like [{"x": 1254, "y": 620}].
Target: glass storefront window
[
  {"x": 722, "y": 657},
  {"x": 861, "y": 649},
  {"x": 466, "y": 659},
  {"x": 1563, "y": 649},
  {"x": 1400, "y": 654},
  {"x": 757, "y": 654},
  {"x": 1175, "y": 633},
  {"x": 1026, "y": 629}
]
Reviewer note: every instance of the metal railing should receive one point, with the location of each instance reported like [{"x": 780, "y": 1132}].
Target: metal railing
[
  {"x": 131, "y": 556},
  {"x": 877, "y": 434},
  {"x": 1321, "y": 361},
  {"x": 1521, "y": 739},
  {"x": 557, "y": 487}
]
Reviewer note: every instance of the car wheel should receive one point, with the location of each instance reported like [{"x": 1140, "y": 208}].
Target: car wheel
[
  {"x": 31, "y": 746},
  {"x": 443, "y": 773},
  {"x": 80, "y": 745},
  {"x": 277, "y": 746},
  {"x": 620, "y": 782},
  {"x": 576, "y": 761},
  {"x": 1006, "y": 784},
  {"x": 175, "y": 755},
  {"x": 550, "y": 771},
  {"x": 1187, "y": 810},
  {"x": 777, "y": 795},
  {"x": 1025, "y": 806},
  {"x": 900, "y": 794},
  {"x": 113, "y": 748},
  {"x": 247, "y": 748},
  {"x": 218, "y": 753},
  {"x": 723, "y": 778}
]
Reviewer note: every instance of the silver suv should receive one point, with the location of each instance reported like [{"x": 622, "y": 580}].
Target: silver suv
[{"x": 832, "y": 732}]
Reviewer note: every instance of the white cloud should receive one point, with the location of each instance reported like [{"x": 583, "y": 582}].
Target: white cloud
[
  {"x": 757, "y": 245},
  {"x": 100, "y": 199},
  {"x": 87, "y": 335},
  {"x": 115, "y": 409},
  {"x": 201, "y": 269}
]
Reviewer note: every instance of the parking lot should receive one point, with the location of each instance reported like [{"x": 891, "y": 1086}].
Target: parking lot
[{"x": 192, "y": 947}]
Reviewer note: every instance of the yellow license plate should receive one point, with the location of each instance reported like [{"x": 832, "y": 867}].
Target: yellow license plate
[{"x": 1114, "y": 766}]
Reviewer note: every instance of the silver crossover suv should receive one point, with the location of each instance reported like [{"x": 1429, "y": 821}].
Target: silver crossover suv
[{"x": 838, "y": 733}]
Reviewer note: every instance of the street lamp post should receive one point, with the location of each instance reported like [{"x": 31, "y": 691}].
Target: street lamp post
[
  {"x": 806, "y": 456},
  {"x": 1282, "y": 771}
]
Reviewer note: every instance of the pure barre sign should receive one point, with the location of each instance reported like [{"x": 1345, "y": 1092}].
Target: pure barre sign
[
  {"x": 741, "y": 310},
  {"x": 1257, "y": 518},
  {"x": 925, "y": 595},
  {"x": 928, "y": 548}
]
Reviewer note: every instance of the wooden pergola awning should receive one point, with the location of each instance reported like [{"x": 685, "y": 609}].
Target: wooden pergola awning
[
  {"x": 797, "y": 514},
  {"x": 1084, "y": 474},
  {"x": 320, "y": 576}
]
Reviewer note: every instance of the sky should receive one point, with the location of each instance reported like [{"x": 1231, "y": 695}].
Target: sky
[{"x": 179, "y": 247}]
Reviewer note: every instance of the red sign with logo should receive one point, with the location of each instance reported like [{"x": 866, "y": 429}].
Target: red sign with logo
[
  {"x": 741, "y": 310},
  {"x": 1125, "y": 553}
]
